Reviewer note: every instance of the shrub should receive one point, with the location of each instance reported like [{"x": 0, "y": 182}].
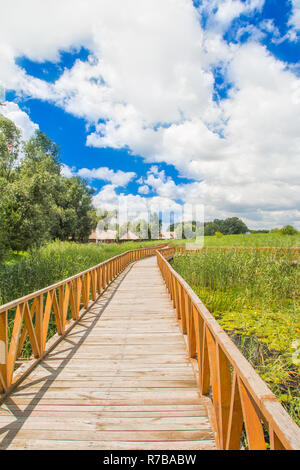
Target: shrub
[{"x": 288, "y": 230}]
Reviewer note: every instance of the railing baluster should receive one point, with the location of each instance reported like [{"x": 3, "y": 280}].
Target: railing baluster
[
  {"x": 192, "y": 331},
  {"x": 275, "y": 443},
  {"x": 57, "y": 314},
  {"x": 39, "y": 321},
  {"x": 254, "y": 430},
  {"x": 61, "y": 306},
  {"x": 14, "y": 341},
  {"x": 224, "y": 389},
  {"x": 3, "y": 351},
  {"x": 66, "y": 299},
  {"x": 183, "y": 311},
  {"x": 178, "y": 299},
  {"x": 212, "y": 355},
  {"x": 47, "y": 313},
  {"x": 205, "y": 379},
  {"x": 31, "y": 331},
  {"x": 235, "y": 420}
]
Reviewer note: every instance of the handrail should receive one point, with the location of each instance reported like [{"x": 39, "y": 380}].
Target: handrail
[
  {"x": 240, "y": 397},
  {"x": 32, "y": 312}
]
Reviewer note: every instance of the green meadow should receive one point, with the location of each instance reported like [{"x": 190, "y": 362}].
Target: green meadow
[
  {"x": 26, "y": 272},
  {"x": 254, "y": 239}
]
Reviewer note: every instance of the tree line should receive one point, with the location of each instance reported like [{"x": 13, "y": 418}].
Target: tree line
[
  {"x": 229, "y": 226},
  {"x": 37, "y": 203}
]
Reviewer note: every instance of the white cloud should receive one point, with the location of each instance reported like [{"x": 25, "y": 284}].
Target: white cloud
[
  {"x": 116, "y": 178},
  {"x": 20, "y": 118},
  {"x": 295, "y": 17},
  {"x": 67, "y": 171},
  {"x": 136, "y": 206},
  {"x": 148, "y": 87},
  {"x": 144, "y": 189},
  {"x": 222, "y": 12}
]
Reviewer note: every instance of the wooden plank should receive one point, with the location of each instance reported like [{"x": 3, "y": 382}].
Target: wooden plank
[
  {"x": 84, "y": 435},
  {"x": 95, "y": 423},
  {"x": 32, "y": 444}
]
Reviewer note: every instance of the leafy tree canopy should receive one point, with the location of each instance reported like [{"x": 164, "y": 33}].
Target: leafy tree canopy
[{"x": 37, "y": 203}]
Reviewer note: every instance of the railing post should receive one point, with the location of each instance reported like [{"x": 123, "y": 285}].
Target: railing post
[
  {"x": 99, "y": 279},
  {"x": 183, "y": 311},
  {"x": 254, "y": 430},
  {"x": 224, "y": 387},
  {"x": 3, "y": 352},
  {"x": 235, "y": 421},
  {"x": 39, "y": 323},
  {"x": 275, "y": 443},
  {"x": 93, "y": 275},
  {"x": 205, "y": 369},
  {"x": 104, "y": 276}
]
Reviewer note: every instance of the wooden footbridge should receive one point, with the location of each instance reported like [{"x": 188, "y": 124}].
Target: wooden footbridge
[{"x": 137, "y": 362}]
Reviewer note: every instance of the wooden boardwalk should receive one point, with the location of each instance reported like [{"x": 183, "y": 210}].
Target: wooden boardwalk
[{"x": 121, "y": 379}]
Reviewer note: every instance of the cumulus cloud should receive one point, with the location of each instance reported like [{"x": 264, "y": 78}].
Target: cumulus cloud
[
  {"x": 295, "y": 17},
  {"x": 135, "y": 206},
  {"x": 67, "y": 171},
  {"x": 221, "y": 13},
  {"x": 20, "y": 118},
  {"x": 144, "y": 189},
  {"x": 116, "y": 178},
  {"x": 148, "y": 86}
]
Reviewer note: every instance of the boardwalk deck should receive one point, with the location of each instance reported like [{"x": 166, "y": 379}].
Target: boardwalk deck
[{"x": 121, "y": 379}]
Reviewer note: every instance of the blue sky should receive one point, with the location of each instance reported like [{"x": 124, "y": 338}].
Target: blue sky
[{"x": 181, "y": 102}]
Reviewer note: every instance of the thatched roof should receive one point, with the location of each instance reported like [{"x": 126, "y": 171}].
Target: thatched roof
[
  {"x": 103, "y": 235},
  {"x": 167, "y": 235},
  {"x": 129, "y": 236}
]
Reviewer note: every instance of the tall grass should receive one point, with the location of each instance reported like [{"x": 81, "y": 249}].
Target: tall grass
[
  {"x": 255, "y": 297},
  {"x": 28, "y": 272},
  {"x": 257, "y": 239}
]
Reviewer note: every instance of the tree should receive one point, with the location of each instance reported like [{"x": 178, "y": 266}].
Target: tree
[
  {"x": 42, "y": 144},
  {"x": 288, "y": 230},
  {"x": 37, "y": 202},
  {"x": 155, "y": 225},
  {"x": 210, "y": 228},
  {"x": 140, "y": 228},
  {"x": 10, "y": 140},
  {"x": 229, "y": 226},
  {"x": 233, "y": 225}
]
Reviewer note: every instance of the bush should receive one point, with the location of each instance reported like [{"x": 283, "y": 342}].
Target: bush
[
  {"x": 218, "y": 234},
  {"x": 288, "y": 230}
]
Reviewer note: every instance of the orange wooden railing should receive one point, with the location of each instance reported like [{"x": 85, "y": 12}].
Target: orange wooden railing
[
  {"x": 241, "y": 399},
  {"x": 30, "y": 315}
]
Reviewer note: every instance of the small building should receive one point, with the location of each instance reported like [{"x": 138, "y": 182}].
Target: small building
[
  {"x": 167, "y": 235},
  {"x": 129, "y": 236},
  {"x": 103, "y": 236}
]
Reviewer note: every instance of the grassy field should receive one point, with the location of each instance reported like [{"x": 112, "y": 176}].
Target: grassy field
[
  {"x": 257, "y": 239},
  {"x": 255, "y": 297},
  {"x": 24, "y": 273}
]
